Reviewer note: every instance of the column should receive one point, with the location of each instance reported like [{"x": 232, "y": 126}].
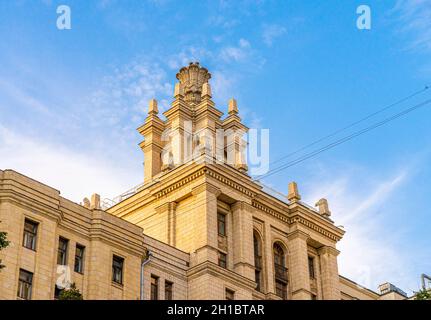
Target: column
[
  {"x": 242, "y": 239},
  {"x": 329, "y": 273},
  {"x": 299, "y": 279}
]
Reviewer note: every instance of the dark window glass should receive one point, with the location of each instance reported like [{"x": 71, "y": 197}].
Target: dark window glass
[
  {"x": 311, "y": 267},
  {"x": 230, "y": 295},
  {"x": 25, "y": 284},
  {"x": 57, "y": 292},
  {"x": 154, "y": 288},
  {"x": 62, "y": 251},
  {"x": 281, "y": 289},
  {"x": 221, "y": 224},
  {"x": 117, "y": 269},
  {"x": 257, "y": 261},
  {"x": 168, "y": 290},
  {"x": 279, "y": 263},
  {"x": 30, "y": 234},
  {"x": 79, "y": 258},
  {"x": 222, "y": 260}
]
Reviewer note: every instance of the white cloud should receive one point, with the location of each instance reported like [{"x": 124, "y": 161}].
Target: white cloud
[
  {"x": 271, "y": 32},
  {"x": 75, "y": 174},
  {"x": 415, "y": 21},
  {"x": 238, "y": 53},
  {"x": 370, "y": 252}
]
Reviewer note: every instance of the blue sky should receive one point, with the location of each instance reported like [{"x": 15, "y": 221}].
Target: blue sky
[{"x": 70, "y": 102}]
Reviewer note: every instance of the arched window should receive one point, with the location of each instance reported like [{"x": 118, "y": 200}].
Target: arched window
[
  {"x": 280, "y": 271},
  {"x": 257, "y": 244}
]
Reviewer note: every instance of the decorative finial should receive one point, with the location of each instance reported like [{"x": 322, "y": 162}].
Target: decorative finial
[
  {"x": 95, "y": 201},
  {"x": 293, "y": 195},
  {"x": 192, "y": 79},
  {"x": 233, "y": 107},
  {"x": 323, "y": 206},
  {"x": 178, "y": 91},
  {"x": 152, "y": 107},
  {"x": 206, "y": 90}
]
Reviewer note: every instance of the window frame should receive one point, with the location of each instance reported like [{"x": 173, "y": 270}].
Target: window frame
[
  {"x": 221, "y": 222},
  {"x": 281, "y": 292},
  {"x": 222, "y": 261},
  {"x": 154, "y": 289},
  {"x": 120, "y": 267},
  {"x": 32, "y": 233},
  {"x": 229, "y": 294},
  {"x": 28, "y": 284},
  {"x": 311, "y": 268},
  {"x": 79, "y": 258},
  {"x": 62, "y": 251},
  {"x": 169, "y": 290}
]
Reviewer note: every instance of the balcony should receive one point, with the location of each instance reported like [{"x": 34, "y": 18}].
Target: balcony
[{"x": 280, "y": 272}]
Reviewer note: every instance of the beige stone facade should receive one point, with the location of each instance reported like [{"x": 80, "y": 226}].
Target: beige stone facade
[{"x": 211, "y": 230}]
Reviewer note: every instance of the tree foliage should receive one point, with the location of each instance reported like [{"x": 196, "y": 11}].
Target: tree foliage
[
  {"x": 71, "y": 294},
  {"x": 3, "y": 244},
  {"x": 423, "y": 294}
]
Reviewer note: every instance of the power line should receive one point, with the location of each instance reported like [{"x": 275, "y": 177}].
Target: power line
[
  {"x": 353, "y": 124},
  {"x": 345, "y": 139},
  {"x": 199, "y": 203}
]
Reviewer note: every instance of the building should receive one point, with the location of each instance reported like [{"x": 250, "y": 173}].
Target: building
[{"x": 199, "y": 227}]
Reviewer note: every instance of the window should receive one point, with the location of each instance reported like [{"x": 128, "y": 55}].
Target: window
[
  {"x": 154, "y": 287},
  {"x": 57, "y": 292},
  {"x": 62, "y": 251},
  {"x": 30, "y": 234},
  {"x": 281, "y": 289},
  {"x": 222, "y": 260},
  {"x": 257, "y": 261},
  {"x": 311, "y": 267},
  {"x": 221, "y": 224},
  {"x": 25, "y": 284},
  {"x": 117, "y": 269},
  {"x": 168, "y": 290},
  {"x": 280, "y": 271},
  {"x": 230, "y": 295},
  {"x": 79, "y": 258}
]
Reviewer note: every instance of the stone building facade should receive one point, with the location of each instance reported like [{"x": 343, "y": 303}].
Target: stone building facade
[{"x": 197, "y": 228}]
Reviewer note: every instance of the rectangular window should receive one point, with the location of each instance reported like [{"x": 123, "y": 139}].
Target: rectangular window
[
  {"x": 62, "y": 251},
  {"x": 25, "y": 284},
  {"x": 222, "y": 260},
  {"x": 154, "y": 288},
  {"x": 30, "y": 234},
  {"x": 221, "y": 224},
  {"x": 57, "y": 292},
  {"x": 311, "y": 267},
  {"x": 79, "y": 258},
  {"x": 168, "y": 290},
  {"x": 281, "y": 289},
  {"x": 257, "y": 277},
  {"x": 230, "y": 295},
  {"x": 117, "y": 269}
]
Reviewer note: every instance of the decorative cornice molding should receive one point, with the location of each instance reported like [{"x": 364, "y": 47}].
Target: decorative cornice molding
[
  {"x": 315, "y": 227},
  {"x": 180, "y": 183}
]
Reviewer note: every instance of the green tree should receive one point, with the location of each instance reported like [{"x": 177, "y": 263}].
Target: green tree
[
  {"x": 3, "y": 244},
  {"x": 423, "y": 294},
  {"x": 71, "y": 294}
]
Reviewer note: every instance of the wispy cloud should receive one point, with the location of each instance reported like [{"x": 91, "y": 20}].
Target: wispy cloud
[
  {"x": 272, "y": 31},
  {"x": 415, "y": 22},
  {"x": 75, "y": 174},
  {"x": 370, "y": 253}
]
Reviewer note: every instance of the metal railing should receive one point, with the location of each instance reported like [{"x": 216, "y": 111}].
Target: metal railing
[{"x": 280, "y": 272}]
